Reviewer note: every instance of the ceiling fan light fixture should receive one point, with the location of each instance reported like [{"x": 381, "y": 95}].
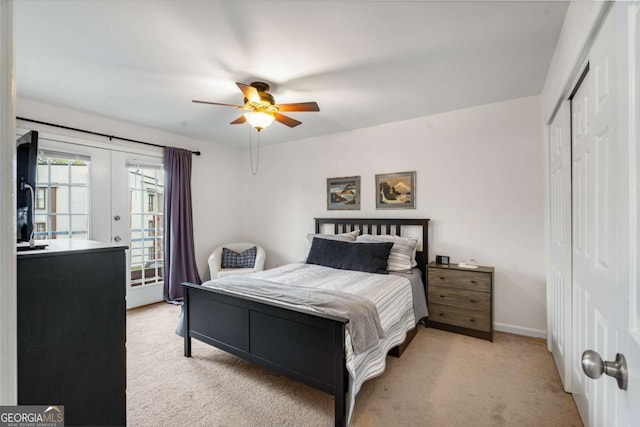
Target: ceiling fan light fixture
[
  {"x": 261, "y": 109},
  {"x": 259, "y": 119}
]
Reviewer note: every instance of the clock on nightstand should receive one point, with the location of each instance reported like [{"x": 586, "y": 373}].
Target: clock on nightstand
[{"x": 461, "y": 299}]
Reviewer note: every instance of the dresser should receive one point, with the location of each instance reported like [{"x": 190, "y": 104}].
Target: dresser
[
  {"x": 461, "y": 299},
  {"x": 71, "y": 330}
]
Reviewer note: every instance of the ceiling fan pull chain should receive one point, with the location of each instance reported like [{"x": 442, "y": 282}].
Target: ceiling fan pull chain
[{"x": 254, "y": 171}]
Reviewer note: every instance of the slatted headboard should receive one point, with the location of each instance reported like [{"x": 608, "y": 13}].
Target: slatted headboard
[{"x": 383, "y": 226}]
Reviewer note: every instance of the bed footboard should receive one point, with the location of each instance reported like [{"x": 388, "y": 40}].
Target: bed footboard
[{"x": 305, "y": 347}]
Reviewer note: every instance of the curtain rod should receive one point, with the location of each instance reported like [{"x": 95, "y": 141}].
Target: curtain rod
[{"x": 111, "y": 137}]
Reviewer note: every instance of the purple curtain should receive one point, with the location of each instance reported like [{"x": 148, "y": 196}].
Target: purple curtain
[{"x": 179, "y": 254}]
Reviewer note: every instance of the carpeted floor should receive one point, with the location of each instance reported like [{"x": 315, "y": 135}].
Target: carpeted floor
[{"x": 443, "y": 379}]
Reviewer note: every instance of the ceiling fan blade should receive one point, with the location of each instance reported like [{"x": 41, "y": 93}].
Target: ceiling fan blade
[
  {"x": 239, "y": 120},
  {"x": 218, "y": 103},
  {"x": 300, "y": 106},
  {"x": 285, "y": 120},
  {"x": 250, "y": 92}
]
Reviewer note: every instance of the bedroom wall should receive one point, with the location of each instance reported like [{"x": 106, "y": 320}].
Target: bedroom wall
[
  {"x": 479, "y": 178},
  {"x": 212, "y": 214}
]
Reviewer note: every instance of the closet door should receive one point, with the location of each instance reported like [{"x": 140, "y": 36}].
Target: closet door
[
  {"x": 601, "y": 230},
  {"x": 630, "y": 336},
  {"x": 559, "y": 296},
  {"x": 581, "y": 297}
]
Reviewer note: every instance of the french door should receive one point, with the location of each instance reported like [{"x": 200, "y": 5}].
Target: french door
[
  {"x": 85, "y": 191},
  {"x": 137, "y": 221}
]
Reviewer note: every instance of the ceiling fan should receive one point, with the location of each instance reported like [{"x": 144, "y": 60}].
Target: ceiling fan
[{"x": 261, "y": 109}]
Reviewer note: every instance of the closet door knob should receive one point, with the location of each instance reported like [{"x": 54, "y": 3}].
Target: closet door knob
[{"x": 594, "y": 367}]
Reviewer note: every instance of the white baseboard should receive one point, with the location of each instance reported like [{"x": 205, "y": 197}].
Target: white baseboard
[{"x": 520, "y": 330}]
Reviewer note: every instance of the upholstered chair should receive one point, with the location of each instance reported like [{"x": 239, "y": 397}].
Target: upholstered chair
[{"x": 235, "y": 260}]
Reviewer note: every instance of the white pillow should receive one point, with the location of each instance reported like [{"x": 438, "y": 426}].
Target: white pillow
[
  {"x": 343, "y": 237},
  {"x": 403, "y": 253}
]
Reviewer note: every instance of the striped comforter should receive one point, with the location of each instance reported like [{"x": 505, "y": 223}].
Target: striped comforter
[{"x": 391, "y": 294}]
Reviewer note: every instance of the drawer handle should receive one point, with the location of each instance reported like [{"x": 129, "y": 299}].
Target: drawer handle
[
  {"x": 473, "y": 320},
  {"x": 441, "y": 296},
  {"x": 441, "y": 278},
  {"x": 474, "y": 282},
  {"x": 472, "y": 300},
  {"x": 441, "y": 314}
]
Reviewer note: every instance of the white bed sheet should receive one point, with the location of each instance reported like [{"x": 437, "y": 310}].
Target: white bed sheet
[{"x": 391, "y": 294}]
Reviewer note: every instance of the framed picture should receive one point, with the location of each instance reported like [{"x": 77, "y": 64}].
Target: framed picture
[
  {"x": 396, "y": 190},
  {"x": 343, "y": 193}
]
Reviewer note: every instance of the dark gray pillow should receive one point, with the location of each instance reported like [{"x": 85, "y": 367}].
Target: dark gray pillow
[
  {"x": 369, "y": 257},
  {"x": 233, "y": 259}
]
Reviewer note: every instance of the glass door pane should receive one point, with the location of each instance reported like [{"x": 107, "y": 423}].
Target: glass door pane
[
  {"x": 146, "y": 191},
  {"x": 62, "y": 198}
]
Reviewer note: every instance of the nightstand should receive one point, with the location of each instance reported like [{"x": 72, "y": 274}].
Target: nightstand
[{"x": 461, "y": 299}]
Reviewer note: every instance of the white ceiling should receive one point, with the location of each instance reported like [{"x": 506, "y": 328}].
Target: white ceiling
[{"x": 364, "y": 62}]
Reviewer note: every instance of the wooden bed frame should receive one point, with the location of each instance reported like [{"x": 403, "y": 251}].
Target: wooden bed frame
[{"x": 305, "y": 347}]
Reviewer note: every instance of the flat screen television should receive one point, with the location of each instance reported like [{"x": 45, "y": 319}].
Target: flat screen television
[{"x": 27, "y": 163}]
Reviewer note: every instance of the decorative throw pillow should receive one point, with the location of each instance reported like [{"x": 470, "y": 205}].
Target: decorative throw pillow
[
  {"x": 233, "y": 259},
  {"x": 371, "y": 258},
  {"x": 403, "y": 252}
]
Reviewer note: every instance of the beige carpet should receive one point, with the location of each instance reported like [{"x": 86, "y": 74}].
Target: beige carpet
[{"x": 443, "y": 379}]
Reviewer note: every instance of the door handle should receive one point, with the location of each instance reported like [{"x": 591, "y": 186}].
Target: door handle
[
  {"x": 117, "y": 238},
  {"x": 594, "y": 367}
]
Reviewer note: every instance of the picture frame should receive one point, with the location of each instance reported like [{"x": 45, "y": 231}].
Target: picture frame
[
  {"x": 343, "y": 193},
  {"x": 442, "y": 259},
  {"x": 396, "y": 190}
]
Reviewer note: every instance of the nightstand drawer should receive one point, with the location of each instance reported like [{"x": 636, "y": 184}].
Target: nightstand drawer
[
  {"x": 472, "y": 280},
  {"x": 472, "y": 319},
  {"x": 460, "y": 298}
]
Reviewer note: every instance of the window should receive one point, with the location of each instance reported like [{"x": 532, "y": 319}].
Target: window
[
  {"x": 146, "y": 198},
  {"x": 62, "y": 197}
]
